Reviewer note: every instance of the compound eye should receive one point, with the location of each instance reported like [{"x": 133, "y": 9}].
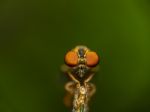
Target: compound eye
[
  {"x": 92, "y": 59},
  {"x": 71, "y": 58}
]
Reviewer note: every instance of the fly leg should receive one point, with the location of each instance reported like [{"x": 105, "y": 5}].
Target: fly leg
[{"x": 70, "y": 88}]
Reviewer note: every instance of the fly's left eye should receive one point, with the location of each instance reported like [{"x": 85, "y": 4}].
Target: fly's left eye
[
  {"x": 92, "y": 59},
  {"x": 71, "y": 58}
]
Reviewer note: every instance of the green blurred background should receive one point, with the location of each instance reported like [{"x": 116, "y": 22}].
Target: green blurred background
[{"x": 35, "y": 35}]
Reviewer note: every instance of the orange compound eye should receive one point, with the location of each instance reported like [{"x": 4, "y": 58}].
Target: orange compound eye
[
  {"x": 71, "y": 58},
  {"x": 92, "y": 59}
]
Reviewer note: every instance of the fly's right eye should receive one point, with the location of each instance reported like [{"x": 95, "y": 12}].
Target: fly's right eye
[
  {"x": 71, "y": 58},
  {"x": 92, "y": 59}
]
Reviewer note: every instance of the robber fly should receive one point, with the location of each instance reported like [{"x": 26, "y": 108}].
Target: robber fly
[{"x": 80, "y": 65}]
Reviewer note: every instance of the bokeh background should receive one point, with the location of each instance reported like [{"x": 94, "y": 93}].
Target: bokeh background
[{"x": 36, "y": 34}]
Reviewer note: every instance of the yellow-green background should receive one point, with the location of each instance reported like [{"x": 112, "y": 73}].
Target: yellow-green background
[{"x": 35, "y": 35}]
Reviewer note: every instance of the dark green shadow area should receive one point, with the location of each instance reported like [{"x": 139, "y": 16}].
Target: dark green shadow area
[{"x": 35, "y": 35}]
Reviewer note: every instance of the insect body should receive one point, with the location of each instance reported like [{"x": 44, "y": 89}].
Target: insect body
[{"x": 81, "y": 65}]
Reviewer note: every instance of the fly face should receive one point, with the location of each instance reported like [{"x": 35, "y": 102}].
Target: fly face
[
  {"x": 81, "y": 60},
  {"x": 80, "y": 71}
]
